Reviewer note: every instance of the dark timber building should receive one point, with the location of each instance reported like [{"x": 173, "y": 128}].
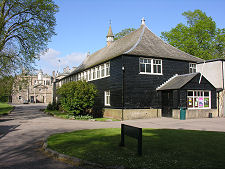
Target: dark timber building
[{"x": 141, "y": 76}]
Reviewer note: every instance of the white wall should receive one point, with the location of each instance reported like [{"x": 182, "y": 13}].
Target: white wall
[{"x": 213, "y": 72}]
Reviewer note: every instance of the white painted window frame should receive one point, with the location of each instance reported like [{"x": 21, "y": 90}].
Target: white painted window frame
[
  {"x": 203, "y": 95},
  {"x": 107, "y": 97},
  {"x": 152, "y": 66},
  {"x": 192, "y": 67}
]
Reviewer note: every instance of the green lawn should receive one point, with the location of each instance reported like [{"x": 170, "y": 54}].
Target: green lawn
[
  {"x": 5, "y": 108},
  {"x": 162, "y": 148}
]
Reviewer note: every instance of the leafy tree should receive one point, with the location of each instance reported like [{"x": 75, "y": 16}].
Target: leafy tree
[
  {"x": 199, "y": 37},
  {"x": 6, "y": 84},
  {"x": 77, "y": 97},
  {"x": 123, "y": 33},
  {"x": 26, "y": 27}
]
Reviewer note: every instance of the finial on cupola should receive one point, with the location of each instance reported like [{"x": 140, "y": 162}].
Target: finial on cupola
[
  {"x": 143, "y": 21},
  {"x": 110, "y": 36}
]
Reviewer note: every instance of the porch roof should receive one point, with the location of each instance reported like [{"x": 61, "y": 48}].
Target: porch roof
[{"x": 177, "y": 81}]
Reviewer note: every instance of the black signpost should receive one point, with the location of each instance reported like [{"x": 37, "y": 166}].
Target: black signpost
[{"x": 134, "y": 132}]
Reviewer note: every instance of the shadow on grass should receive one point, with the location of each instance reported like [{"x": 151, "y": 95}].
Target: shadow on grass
[{"x": 162, "y": 148}]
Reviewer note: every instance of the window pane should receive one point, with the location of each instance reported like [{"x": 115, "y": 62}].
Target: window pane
[
  {"x": 155, "y": 68},
  {"x": 148, "y": 68},
  {"x": 159, "y": 69},
  {"x": 196, "y": 102},
  {"x": 206, "y": 93},
  {"x": 145, "y": 60},
  {"x": 190, "y": 102},
  {"x": 200, "y": 102},
  {"x": 141, "y": 60},
  {"x": 190, "y": 93},
  {"x": 206, "y": 102},
  {"x": 142, "y": 66}
]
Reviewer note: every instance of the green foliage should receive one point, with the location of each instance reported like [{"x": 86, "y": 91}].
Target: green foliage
[
  {"x": 26, "y": 27},
  {"x": 77, "y": 97},
  {"x": 123, "y": 33},
  {"x": 199, "y": 37},
  {"x": 6, "y": 84},
  {"x": 53, "y": 106}
]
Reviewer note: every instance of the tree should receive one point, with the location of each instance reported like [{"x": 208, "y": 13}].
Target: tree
[
  {"x": 77, "y": 97},
  {"x": 6, "y": 84},
  {"x": 199, "y": 37},
  {"x": 26, "y": 27},
  {"x": 123, "y": 33}
]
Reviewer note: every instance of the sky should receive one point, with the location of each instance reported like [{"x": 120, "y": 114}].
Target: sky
[{"x": 82, "y": 25}]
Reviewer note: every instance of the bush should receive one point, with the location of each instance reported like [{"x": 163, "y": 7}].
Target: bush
[
  {"x": 53, "y": 106},
  {"x": 77, "y": 97}
]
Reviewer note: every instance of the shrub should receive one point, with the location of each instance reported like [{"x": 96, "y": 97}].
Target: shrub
[
  {"x": 77, "y": 97},
  {"x": 53, "y": 106}
]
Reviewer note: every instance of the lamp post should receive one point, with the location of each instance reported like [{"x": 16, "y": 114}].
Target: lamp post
[{"x": 123, "y": 72}]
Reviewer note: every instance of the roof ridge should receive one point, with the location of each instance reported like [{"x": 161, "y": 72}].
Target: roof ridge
[
  {"x": 173, "y": 46},
  {"x": 138, "y": 41}
]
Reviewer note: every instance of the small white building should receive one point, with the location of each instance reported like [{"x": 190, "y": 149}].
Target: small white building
[{"x": 214, "y": 71}]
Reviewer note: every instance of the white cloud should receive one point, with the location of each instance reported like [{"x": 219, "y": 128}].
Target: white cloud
[{"x": 49, "y": 61}]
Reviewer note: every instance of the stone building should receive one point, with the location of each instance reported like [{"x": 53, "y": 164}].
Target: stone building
[{"x": 33, "y": 89}]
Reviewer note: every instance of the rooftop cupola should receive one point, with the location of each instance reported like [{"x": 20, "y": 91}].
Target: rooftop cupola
[
  {"x": 110, "y": 36},
  {"x": 40, "y": 75},
  {"x": 143, "y": 21}
]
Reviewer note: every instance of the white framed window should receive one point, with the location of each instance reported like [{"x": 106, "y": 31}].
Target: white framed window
[
  {"x": 98, "y": 72},
  {"x": 89, "y": 75},
  {"x": 192, "y": 67},
  {"x": 107, "y": 67},
  {"x": 102, "y": 70},
  {"x": 150, "y": 66},
  {"x": 198, "y": 99},
  {"x": 86, "y": 75},
  {"x": 78, "y": 77},
  {"x": 107, "y": 98},
  {"x": 93, "y": 73}
]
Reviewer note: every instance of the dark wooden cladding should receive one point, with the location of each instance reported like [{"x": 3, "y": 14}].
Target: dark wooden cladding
[
  {"x": 112, "y": 83},
  {"x": 140, "y": 89}
]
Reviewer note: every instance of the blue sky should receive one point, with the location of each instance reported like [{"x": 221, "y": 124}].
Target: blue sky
[{"x": 82, "y": 25}]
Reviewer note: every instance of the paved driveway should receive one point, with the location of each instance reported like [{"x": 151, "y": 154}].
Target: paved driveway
[{"x": 22, "y": 131}]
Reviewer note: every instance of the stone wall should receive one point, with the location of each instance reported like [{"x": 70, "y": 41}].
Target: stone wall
[
  {"x": 195, "y": 113},
  {"x": 130, "y": 114}
]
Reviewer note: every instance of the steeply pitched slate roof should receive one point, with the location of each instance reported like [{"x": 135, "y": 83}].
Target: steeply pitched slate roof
[
  {"x": 177, "y": 82},
  {"x": 141, "y": 42}
]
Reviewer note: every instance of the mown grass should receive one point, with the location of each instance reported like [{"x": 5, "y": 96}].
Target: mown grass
[
  {"x": 162, "y": 148},
  {"x": 5, "y": 108}
]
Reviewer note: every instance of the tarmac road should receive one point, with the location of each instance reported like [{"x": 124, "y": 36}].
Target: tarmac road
[{"x": 22, "y": 132}]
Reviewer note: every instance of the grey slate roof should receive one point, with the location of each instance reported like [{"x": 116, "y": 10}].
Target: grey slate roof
[
  {"x": 177, "y": 82},
  {"x": 141, "y": 42}
]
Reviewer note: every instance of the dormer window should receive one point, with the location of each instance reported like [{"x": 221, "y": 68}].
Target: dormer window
[{"x": 192, "y": 67}]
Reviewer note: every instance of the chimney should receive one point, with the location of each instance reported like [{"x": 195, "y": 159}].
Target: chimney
[{"x": 110, "y": 36}]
